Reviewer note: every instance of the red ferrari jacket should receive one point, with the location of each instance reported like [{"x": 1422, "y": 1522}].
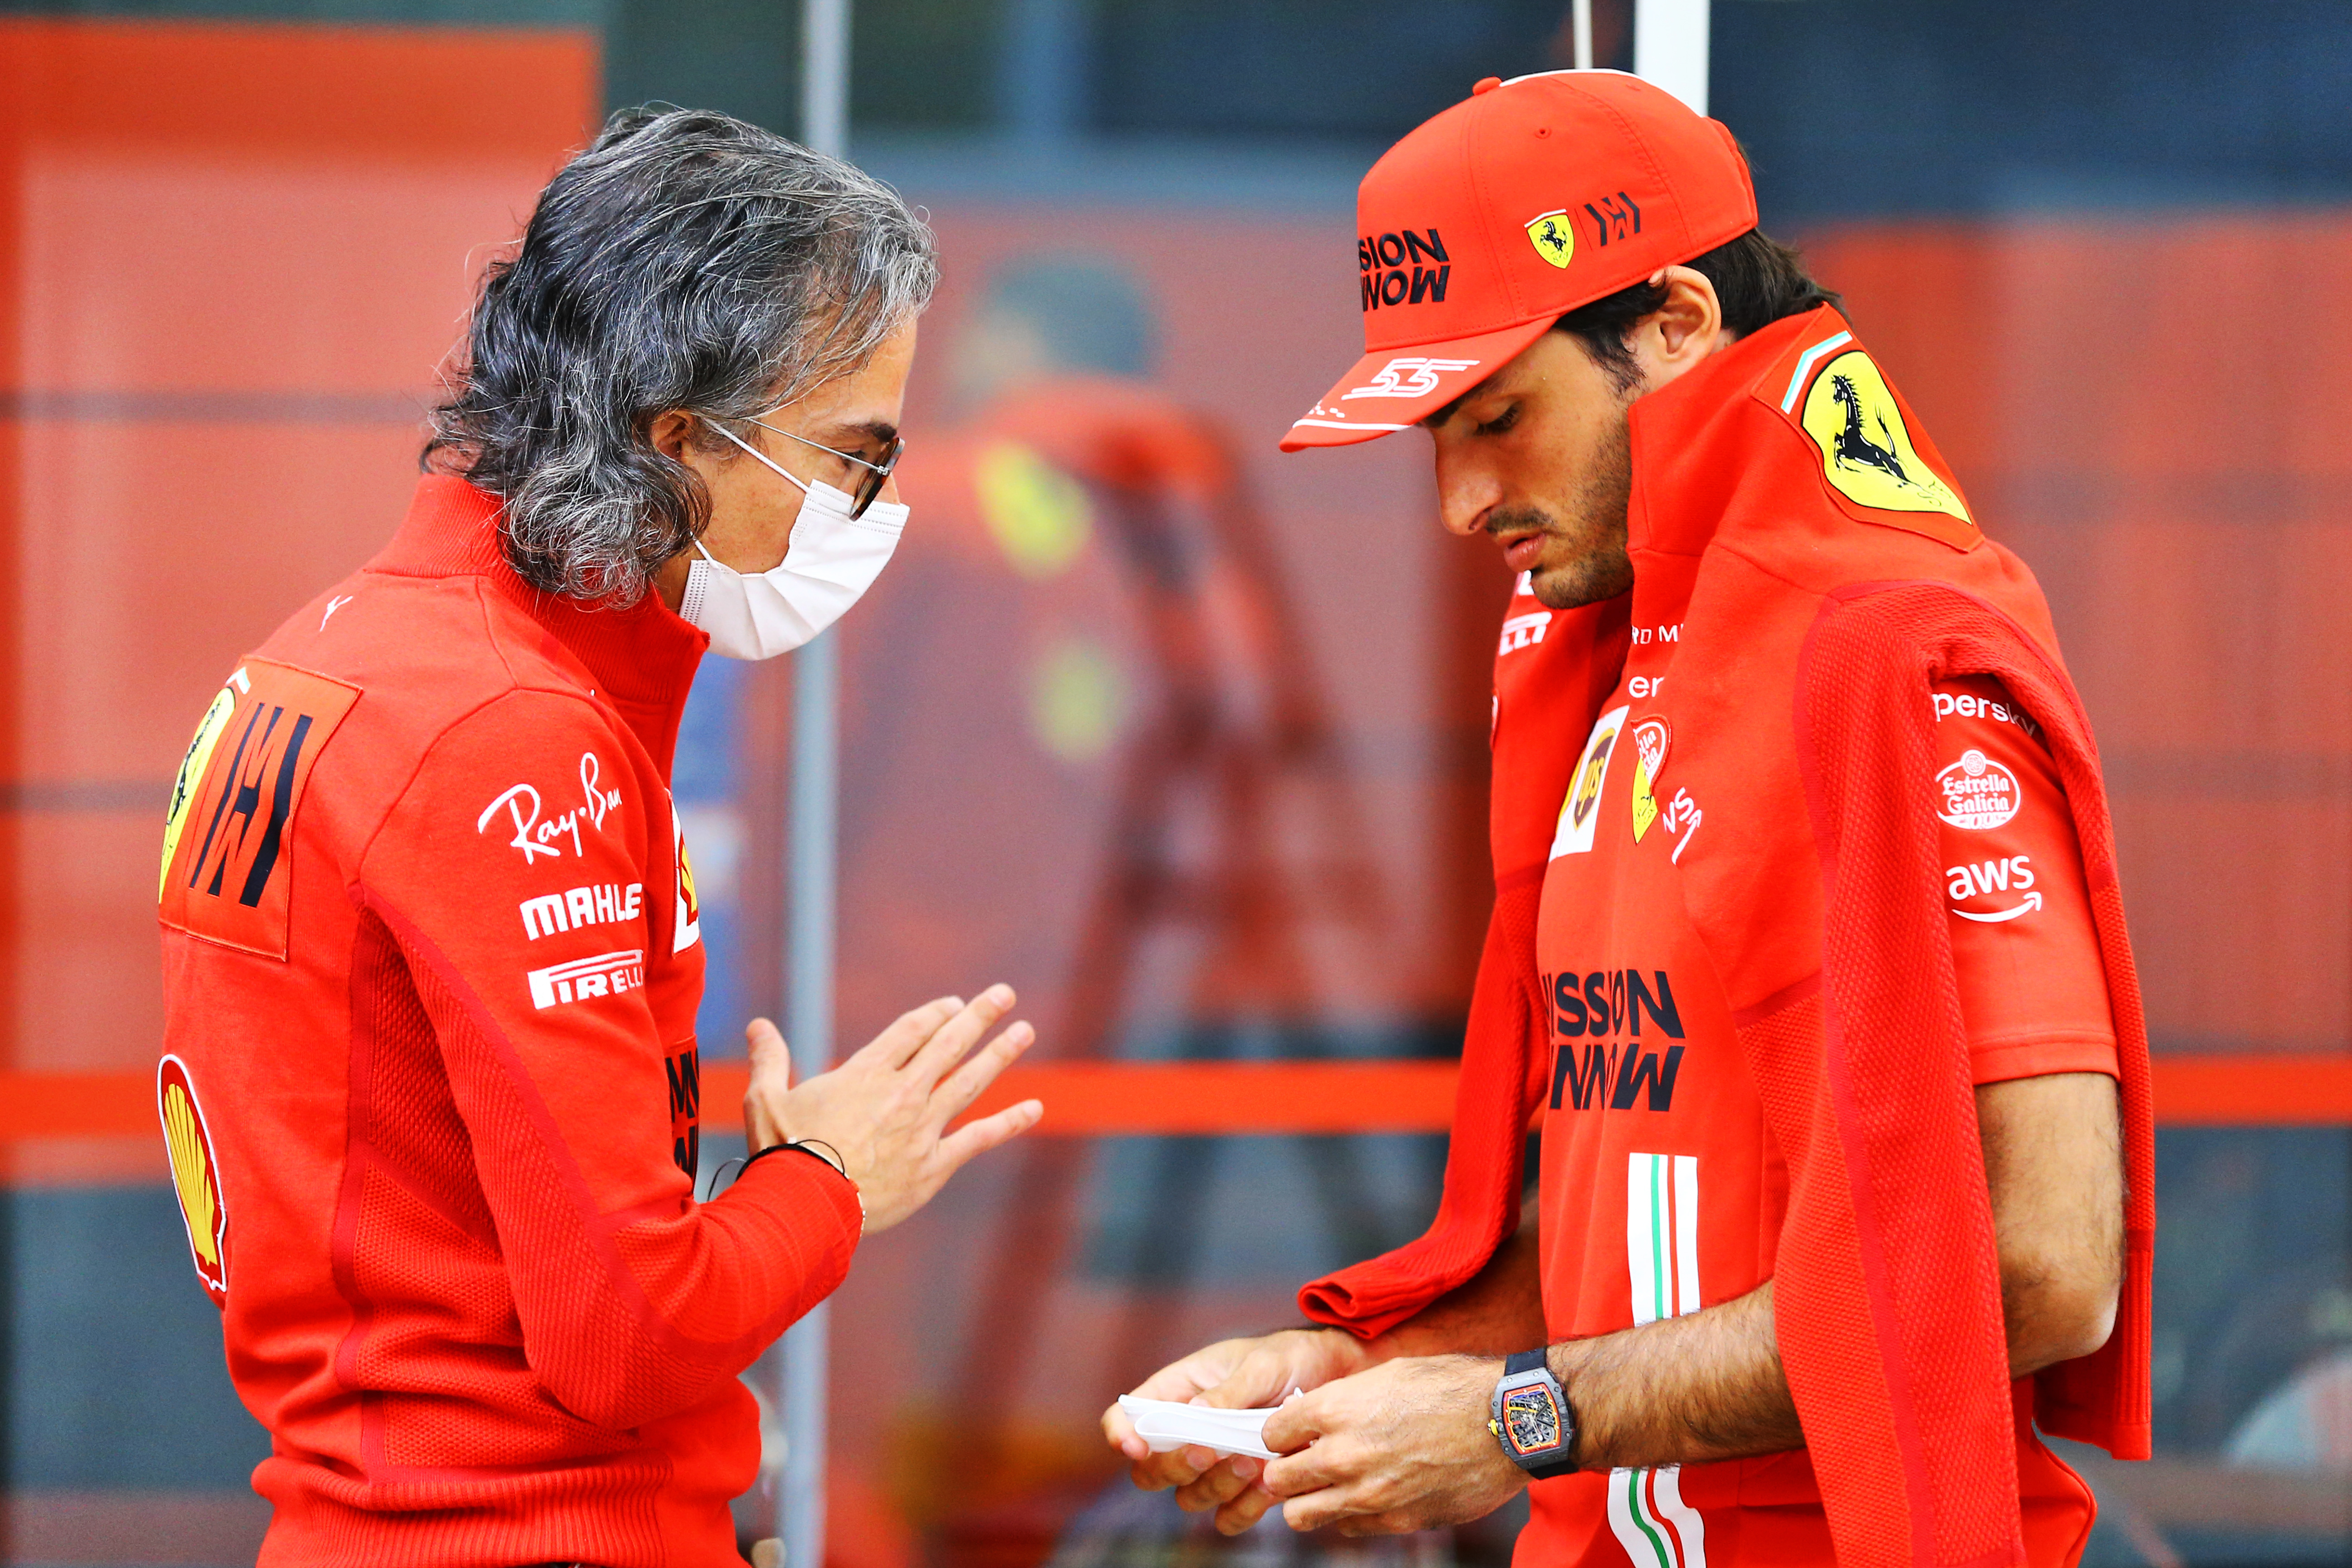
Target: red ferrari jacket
[
  {"x": 431, "y": 958},
  {"x": 1839, "y": 576}
]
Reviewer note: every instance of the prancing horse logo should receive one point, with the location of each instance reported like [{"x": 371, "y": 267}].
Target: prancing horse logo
[
  {"x": 1553, "y": 236},
  {"x": 1867, "y": 451},
  {"x": 1853, "y": 448}
]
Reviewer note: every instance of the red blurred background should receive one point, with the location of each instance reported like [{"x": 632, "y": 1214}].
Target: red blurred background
[{"x": 232, "y": 255}]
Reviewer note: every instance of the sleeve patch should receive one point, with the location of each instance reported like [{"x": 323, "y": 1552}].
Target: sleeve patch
[
  {"x": 228, "y": 872},
  {"x": 1876, "y": 463}
]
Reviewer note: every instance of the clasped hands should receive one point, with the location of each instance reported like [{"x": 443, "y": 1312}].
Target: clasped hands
[{"x": 1379, "y": 1443}]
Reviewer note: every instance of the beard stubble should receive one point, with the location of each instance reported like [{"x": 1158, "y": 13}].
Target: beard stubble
[{"x": 1600, "y": 567}]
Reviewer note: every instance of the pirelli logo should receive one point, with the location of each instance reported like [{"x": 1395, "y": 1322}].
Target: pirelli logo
[{"x": 606, "y": 974}]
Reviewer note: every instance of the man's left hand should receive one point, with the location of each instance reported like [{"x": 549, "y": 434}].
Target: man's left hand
[{"x": 1401, "y": 1447}]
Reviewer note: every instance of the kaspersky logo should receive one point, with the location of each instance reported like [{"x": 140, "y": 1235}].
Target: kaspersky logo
[{"x": 1402, "y": 268}]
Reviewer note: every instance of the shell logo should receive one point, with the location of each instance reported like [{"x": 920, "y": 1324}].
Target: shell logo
[
  {"x": 195, "y": 1176},
  {"x": 685, "y": 925}
]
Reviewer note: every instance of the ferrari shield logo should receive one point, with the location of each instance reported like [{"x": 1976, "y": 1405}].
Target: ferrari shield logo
[
  {"x": 1553, "y": 236},
  {"x": 1867, "y": 451},
  {"x": 199, "y": 757}
]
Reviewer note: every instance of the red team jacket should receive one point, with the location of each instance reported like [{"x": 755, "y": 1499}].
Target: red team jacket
[
  {"x": 431, "y": 960},
  {"x": 1765, "y": 826}
]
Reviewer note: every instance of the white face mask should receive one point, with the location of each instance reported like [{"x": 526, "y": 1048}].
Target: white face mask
[{"x": 831, "y": 562}]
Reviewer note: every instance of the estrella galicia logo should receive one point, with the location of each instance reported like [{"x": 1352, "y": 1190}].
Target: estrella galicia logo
[
  {"x": 1402, "y": 269},
  {"x": 1614, "y": 1067}
]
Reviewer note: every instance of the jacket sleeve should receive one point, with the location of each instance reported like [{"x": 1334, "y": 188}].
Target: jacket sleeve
[{"x": 526, "y": 879}]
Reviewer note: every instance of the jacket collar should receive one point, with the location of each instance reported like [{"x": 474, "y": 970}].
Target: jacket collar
[
  {"x": 1687, "y": 440},
  {"x": 639, "y": 658}
]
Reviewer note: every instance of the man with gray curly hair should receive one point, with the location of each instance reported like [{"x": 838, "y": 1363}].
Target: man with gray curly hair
[{"x": 432, "y": 951}]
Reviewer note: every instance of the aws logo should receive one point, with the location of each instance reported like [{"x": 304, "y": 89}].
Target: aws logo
[
  {"x": 1402, "y": 269},
  {"x": 195, "y": 1176},
  {"x": 1622, "y": 1073},
  {"x": 227, "y": 833},
  {"x": 2012, "y": 873}
]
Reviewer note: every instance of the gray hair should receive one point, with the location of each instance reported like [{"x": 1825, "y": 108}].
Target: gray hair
[{"x": 686, "y": 260}]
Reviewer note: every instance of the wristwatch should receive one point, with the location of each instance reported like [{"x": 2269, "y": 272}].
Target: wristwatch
[{"x": 1532, "y": 1419}]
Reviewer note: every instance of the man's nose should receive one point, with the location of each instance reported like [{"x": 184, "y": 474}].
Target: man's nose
[{"x": 1466, "y": 494}]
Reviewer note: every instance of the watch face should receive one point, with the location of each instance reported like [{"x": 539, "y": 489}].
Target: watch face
[{"x": 1530, "y": 1419}]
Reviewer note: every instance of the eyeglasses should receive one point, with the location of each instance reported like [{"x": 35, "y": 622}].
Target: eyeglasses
[{"x": 876, "y": 474}]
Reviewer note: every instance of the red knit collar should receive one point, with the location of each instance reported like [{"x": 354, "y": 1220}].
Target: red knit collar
[
  {"x": 641, "y": 658},
  {"x": 1680, "y": 486}
]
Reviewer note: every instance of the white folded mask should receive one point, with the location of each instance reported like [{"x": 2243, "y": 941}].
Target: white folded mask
[{"x": 830, "y": 561}]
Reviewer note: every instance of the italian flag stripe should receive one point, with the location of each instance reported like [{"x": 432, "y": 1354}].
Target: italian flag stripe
[{"x": 1646, "y": 1511}]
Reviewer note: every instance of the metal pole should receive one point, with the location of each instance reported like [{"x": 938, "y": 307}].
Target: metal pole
[
  {"x": 1582, "y": 22},
  {"x": 824, "y": 76},
  {"x": 813, "y": 848},
  {"x": 816, "y": 684},
  {"x": 1670, "y": 38}
]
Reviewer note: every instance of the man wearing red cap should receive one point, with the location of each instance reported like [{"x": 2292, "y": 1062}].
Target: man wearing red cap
[{"x": 1807, "y": 962}]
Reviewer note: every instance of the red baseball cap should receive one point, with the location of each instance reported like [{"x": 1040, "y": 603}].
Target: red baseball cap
[{"x": 1487, "y": 223}]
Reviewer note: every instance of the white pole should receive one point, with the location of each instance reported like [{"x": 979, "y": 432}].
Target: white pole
[
  {"x": 813, "y": 848},
  {"x": 1582, "y": 24},
  {"x": 816, "y": 686},
  {"x": 824, "y": 76},
  {"x": 1670, "y": 47}
]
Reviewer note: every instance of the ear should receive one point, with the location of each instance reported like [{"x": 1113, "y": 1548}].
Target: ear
[
  {"x": 669, "y": 432},
  {"x": 1681, "y": 331}
]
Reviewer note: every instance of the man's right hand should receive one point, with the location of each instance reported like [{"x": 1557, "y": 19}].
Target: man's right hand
[
  {"x": 886, "y": 1109},
  {"x": 1231, "y": 1374}
]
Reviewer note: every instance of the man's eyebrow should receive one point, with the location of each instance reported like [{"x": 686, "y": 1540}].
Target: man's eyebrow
[{"x": 881, "y": 432}]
